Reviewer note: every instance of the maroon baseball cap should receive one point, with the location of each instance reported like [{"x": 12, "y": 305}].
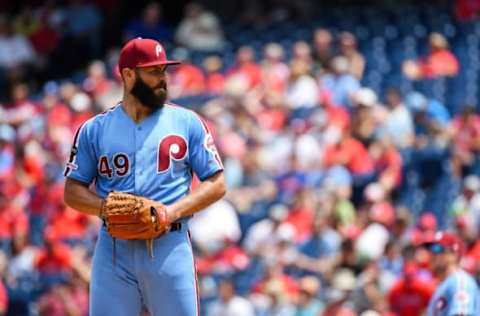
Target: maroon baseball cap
[
  {"x": 446, "y": 240},
  {"x": 143, "y": 52}
]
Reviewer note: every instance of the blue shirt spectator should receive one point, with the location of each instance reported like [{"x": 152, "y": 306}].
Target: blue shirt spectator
[{"x": 150, "y": 25}]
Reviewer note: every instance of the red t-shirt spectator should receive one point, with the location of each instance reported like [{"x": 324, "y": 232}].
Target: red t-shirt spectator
[
  {"x": 272, "y": 119},
  {"x": 12, "y": 222},
  {"x": 231, "y": 258},
  {"x": 188, "y": 80},
  {"x": 251, "y": 71},
  {"x": 69, "y": 224},
  {"x": 215, "y": 82},
  {"x": 351, "y": 153},
  {"x": 389, "y": 164},
  {"x": 439, "y": 63},
  {"x": 466, "y": 133},
  {"x": 301, "y": 219},
  {"x": 410, "y": 297},
  {"x": 57, "y": 259}
]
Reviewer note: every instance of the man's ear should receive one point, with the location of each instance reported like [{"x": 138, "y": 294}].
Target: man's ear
[{"x": 128, "y": 77}]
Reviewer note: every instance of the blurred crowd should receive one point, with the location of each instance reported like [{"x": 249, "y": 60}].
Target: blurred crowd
[{"x": 331, "y": 184}]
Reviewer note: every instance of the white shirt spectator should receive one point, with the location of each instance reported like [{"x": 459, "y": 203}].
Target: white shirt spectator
[
  {"x": 303, "y": 92},
  {"x": 237, "y": 306},
  {"x": 199, "y": 30},
  {"x": 399, "y": 126},
  {"x": 371, "y": 242},
  {"x": 14, "y": 51},
  {"x": 214, "y": 225}
]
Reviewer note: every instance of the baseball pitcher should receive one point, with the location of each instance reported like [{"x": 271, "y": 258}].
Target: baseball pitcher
[{"x": 141, "y": 155}]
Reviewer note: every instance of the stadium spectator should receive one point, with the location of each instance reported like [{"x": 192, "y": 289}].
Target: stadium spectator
[
  {"x": 465, "y": 131},
  {"x": 185, "y": 79},
  {"x": 439, "y": 62},
  {"x": 83, "y": 23},
  {"x": 340, "y": 84},
  {"x": 215, "y": 79},
  {"x": 410, "y": 294},
  {"x": 200, "y": 29},
  {"x": 275, "y": 72},
  {"x": 398, "y": 122},
  {"x": 323, "y": 49},
  {"x": 246, "y": 69},
  {"x": 16, "y": 53},
  {"x": 342, "y": 285},
  {"x": 348, "y": 48},
  {"x": 467, "y": 205},
  {"x": 229, "y": 303},
  {"x": 302, "y": 91},
  {"x": 308, "y": 302},
  {"x": 150, "y": 25}
]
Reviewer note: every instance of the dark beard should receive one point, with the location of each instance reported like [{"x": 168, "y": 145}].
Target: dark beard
[{"x": 147, "y": 96}]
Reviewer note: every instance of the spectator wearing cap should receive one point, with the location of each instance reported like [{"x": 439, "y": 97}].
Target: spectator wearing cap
[
  {"x": 457, "y": 292},
  {"x": 199, "y": 29},
  {"x": 410, "y": 294},
  {"x": 150, "y": 25},
  {"x": 465, "y": 130},
  {"x": 348, "y": 48},
  {"x": 439, "y": 62},
  {"x": 339, "y": 293},
  {"x": 229, "y": 302}
]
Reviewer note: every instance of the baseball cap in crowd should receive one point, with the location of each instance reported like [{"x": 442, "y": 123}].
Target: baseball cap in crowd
[
  {"x": 444, "y": 241},
  {"x": 143, "y": 52}
]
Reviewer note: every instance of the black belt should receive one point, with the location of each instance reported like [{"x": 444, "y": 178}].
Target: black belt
[{"x": 173, "y": 226}]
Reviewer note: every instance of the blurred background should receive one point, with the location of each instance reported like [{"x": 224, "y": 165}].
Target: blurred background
[{"x": 348, "y": 129}]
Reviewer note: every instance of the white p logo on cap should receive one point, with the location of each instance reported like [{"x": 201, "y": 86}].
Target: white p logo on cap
[{"x": 158, "y": 50}]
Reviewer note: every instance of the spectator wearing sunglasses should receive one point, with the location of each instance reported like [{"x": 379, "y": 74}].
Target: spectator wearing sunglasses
[{"x": 457, "y": 293}]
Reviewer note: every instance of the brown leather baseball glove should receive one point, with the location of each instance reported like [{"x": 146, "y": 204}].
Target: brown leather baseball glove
[{"x": 128, "y": 216}]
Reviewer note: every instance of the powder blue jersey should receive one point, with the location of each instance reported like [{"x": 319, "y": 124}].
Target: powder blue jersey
[
  {"x": 154, "y": 158},
  {"x": 456, "y": 295}
]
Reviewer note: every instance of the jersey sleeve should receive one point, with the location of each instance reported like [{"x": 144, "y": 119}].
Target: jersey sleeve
[
  {"x": 204, "y": 158},
  {"x": 82, "y": 163}
]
